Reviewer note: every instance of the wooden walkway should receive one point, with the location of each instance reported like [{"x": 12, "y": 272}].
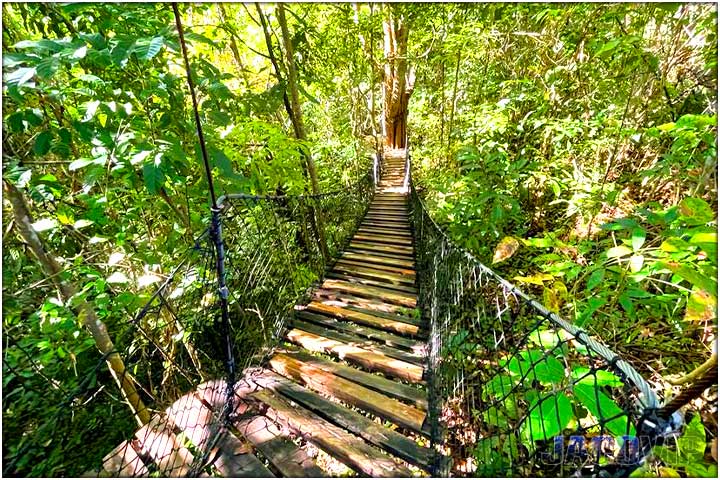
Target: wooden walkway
[{"x": 351, "y": 384}]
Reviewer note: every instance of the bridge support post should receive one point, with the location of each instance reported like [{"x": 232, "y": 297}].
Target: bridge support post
[{"x": 223, "y": 293}]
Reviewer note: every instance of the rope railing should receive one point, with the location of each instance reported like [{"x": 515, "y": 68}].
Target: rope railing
[
  {"x": 514, "y": 389},
  {"x": 175, "y": 346}
]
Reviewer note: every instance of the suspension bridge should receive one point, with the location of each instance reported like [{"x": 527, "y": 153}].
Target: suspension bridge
[
  {"x": 348, "y": 323},
  {"x": 370, "y": 363}
]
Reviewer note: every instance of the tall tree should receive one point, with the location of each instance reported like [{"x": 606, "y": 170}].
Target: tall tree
[
  {"x": 86, "y": 314},
  {"x": 398, "y": 77}
]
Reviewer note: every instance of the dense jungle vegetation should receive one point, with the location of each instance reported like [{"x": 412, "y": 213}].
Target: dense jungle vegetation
[{"x": 573, "y": 147}]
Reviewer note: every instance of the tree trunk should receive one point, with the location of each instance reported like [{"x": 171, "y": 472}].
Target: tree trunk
[
  {"x": 398, "y": 81},
  {"x": 300, "y": 129},
  {"x": 233, "y": 46},
  {"x": 85, "y": 312}
]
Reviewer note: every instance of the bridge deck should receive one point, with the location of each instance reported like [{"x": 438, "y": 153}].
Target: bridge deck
[{"x": 352, "y": 384}]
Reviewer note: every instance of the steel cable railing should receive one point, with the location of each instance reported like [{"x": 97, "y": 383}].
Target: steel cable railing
[
  {"x": 514, "y": 389},
  {"x": 175, "y": 345}
]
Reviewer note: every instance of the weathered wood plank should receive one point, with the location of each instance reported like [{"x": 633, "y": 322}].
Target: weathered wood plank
[
  {"x": 372, "y": 333},
  {"x": 383, "y": 239},
  {"x": 352, "y": 393},
  {"x": 390, "y": 440},
  {"x": 375, "y": 283},
  {"x": 376, "y": 260},
  {"x": 354, "y": 340},
  {"x": 124, "y": 461},
  {"x": 236, "y": 461},
  {"x": 385, "y": 248},
  {"x": 389, "y": 255},
  {"x": 375, "y": 321},
  {"x": 371, "y": 361},
  {"x": 375, "y": 274},
  {"x": 408, "y": 393},
  {"x": 157, "y": 440},
  {"x": 366, "y": 291},
  {"x": 334, "y": 440},
  {"x": 369, "y": 306},
  {"x": 283, "y": 454}
]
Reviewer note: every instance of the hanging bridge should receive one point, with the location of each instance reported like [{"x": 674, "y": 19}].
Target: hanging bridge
[
  {"x": 395, "y": 353},
  {"x": 345, "y": 334}
]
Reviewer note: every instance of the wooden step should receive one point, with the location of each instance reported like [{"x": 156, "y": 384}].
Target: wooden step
[
  {"x": 395, "y": 256},
  {"x": 378, "y": 260},
  {"x": 374, "y": 283},
  {"x": 366, "y": 291},
  {"x": 379, "y": 335},
  {"x": 124, "y": 461},
  {"x": 371, "y": 361},
  {"x": 279, "y": 449},
  {"x": 387, "y": 209},
  {"x": 344, "y": 446},
  {"x": 384, "y": 239},
  {"x": 349, "y": 392},
  {"x": 370, "y": 320},
  {"x": 357, "y": 341},
  {"x": 386, "y": 215},
  {"x": 385, "y": 268},
  {"x": 374, "y": 274},
  {"x": 371, "y": 306},
  {"x": 378, "y": 435},
  {"x": 200, "y": 425},
  {"x": 382, "y": 248},
  {"x": 393, "y": 224},
  {"x": 399, "y": 233},
  {"x": 158, "y": 442},
  {"x": 411, "y": 394}
]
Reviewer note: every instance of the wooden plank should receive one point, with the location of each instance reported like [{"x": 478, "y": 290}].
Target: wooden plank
[
  {"x": 376, "y": 275},
  {"x": 384, "y": 268},
  {"x": 374, "y": 321},
  {"x": 407, "y": 393},
  {"x": 124, "y": 461},
  {"x": 349, "y": 392},
  {"x": 370, "y": 251},
  {"x": 372, "y": 333},
  {"x": 339, "y": 443},
  {"x": 384, "y": 217},
  {"x": 236, "y": 461},
  {"x": 370, "y": 306},
  {"x": 200, "y": 425},
  {"x": 410, "y": 250},
  {"x": 383, "y": 437},
  {"x": 366, "y": 291},
  {"x": 371, "y": 361},
  {"x": 366, "y": 281},
  {"x": 157, "y": 440},
  {"x": 280, "y": 450},
  {"x": 400, "y": 234},
  {"x": 354, "y": 340},
  {"x": 387, "y": 239},
  {"x": 374, "y": 259}
]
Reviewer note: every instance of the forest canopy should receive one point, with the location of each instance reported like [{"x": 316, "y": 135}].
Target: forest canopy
[{"x": 572, "y": 147}]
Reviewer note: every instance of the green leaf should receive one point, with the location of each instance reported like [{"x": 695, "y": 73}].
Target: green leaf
[
  {"x": 153, "y": 176},
  {"x": 80, "y": 163},
  {"x": 603, "y": 408},
  {"x": 595, "y": 278},
  {"x": 42, "y": 143},
  {"x": 638, "y": 238},
  {"x": 548, "y": 418},
  {"x": 537, "y": 365},
  {"x": 692, "y": 443},
  {"x": 696, "y": 211},
  {"x": 600, "y": 378},
  {"x": 47, "y": 67},
  {"x": 499, "y": 386},
  {"x": 694, "y": 277},
  {"x": 619, "y": 251},
  {"x": 118, "y": 277}
]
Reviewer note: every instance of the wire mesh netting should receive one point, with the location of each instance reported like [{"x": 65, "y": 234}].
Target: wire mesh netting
[
  {"x": 520, "y": 391},
  {"x": 179, "y": 356}
]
